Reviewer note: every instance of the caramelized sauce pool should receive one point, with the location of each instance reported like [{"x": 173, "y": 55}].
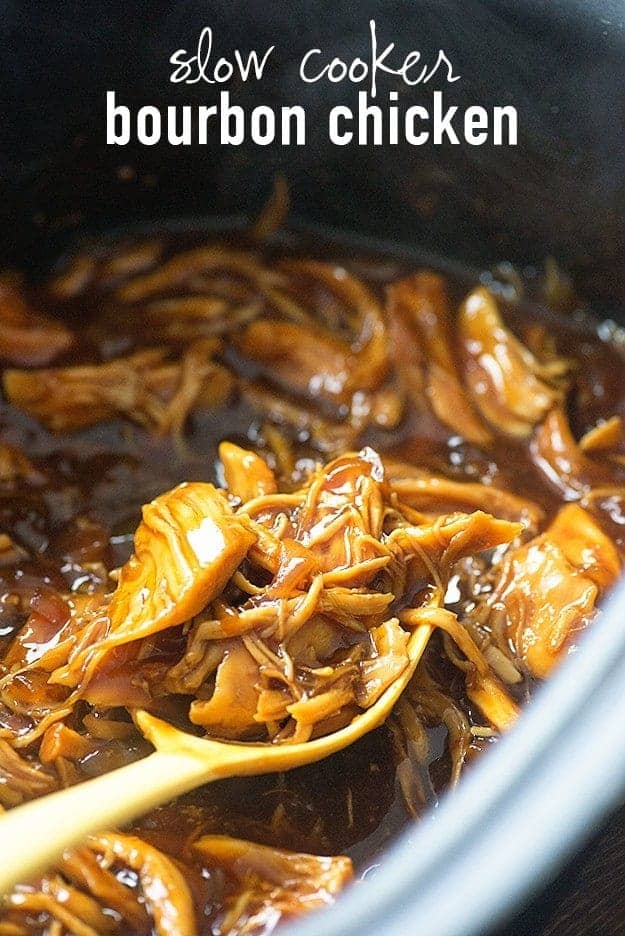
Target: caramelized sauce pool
[{"x": 76, "y": 519}]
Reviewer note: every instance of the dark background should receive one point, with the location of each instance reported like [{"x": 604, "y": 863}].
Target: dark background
[
  {"x": 559, "y": 192},
  {"x": 587, "y": 899},
  {"x": 561, "y": 63}
]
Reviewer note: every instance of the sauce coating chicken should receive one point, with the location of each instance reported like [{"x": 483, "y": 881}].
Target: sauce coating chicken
[{"x": 233, "y": 479}]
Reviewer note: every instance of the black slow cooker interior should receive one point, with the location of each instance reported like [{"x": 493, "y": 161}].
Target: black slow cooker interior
[{"x": 559, "y": 192}]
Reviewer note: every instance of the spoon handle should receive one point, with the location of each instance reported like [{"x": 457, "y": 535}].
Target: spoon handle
[{"x": 33, "y": 836}]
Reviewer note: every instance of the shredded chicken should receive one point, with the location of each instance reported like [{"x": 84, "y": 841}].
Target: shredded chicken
[
  {"x": 434, "y": 494},
  {"x": 186, "y": 548},
  {"x": 313, "y": 645},
  {"x": 369, "y": 360},
  {"x": 339, "y": 519},
  {"x": 273, "y": 883},
  {"x": 483, "y": 686},
  {"x": 19, "y": 779},
  {"x": 28, "y": 339},
  {"x": 420, "y": 317},
  {"x": 74, "y": 911},
  {"x": 83, "y": 885},
  {"x": 307, "y": 360},
  {"x": 423, "y": 703},
  {"x": 246, "y": 474},
  {"x": 511, "y": 388},
  {"x": 200, "y": 260},
  {"x": 280, "y": 608},
  {"x": 549, "y": 587},
  {"x": 563, "y": 462},
  {"x": 84, "y": 868},
  {"x": 326, "y": 435},
  {"x": 165, "y": 891},
  {"x": 144, "y": 387}
]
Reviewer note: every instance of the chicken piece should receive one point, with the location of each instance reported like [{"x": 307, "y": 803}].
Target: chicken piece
[
  {"x": 61, "y": 741},
  {"x": 84, "y": 270},
  {"x": 546, "y": 601},
  {"x": 183, "y": 266},
  {"x": 20, "y": 779},
  {"x": 304, "y": 359},
  {"x": 369, "y": 346},
  {"x": 317, "y": 640},
  {"x": 428, "y": 552},
  {"x": 187, "y": 546},
  {"x": 585, "y": 545},
  {"x": 75, "y": 278},
  {"x": 310, "y": 360},
  {"x": 340, "y": 521},
  {"x": 389, "y": 662},
  {"x": 52, "y": 626},
  {"x": 411, "y": 749},
  {"x": 128, "y": 260},
  {"x": 328, "y": 700},
  {"x": 277, "y": 883},
  {"x": 185, "y": 318},
  {"x": 28, "y": 339},
  {"x": 297, "y": 622},
  {"x": 202, "y": 309},
  {"x": 420, "y": 313},
  {"x": 549, "y": 587},
  {"x": 246, "y": 474},
  {"x": 143, "y": 387},
  {"x": 562, "y": 462},
  {"x": 334, "y": 522},
  {"x": 494, "y": 702},
  {"x": 67, "y": 910},
  {"x": 82, "y": 868},
  {"x": 483, "y": 686},
  {"x": 230, "y": 711},
  {"x": 15, "y": 466},
  {"x": 511, "y": 388},
  {"x": 604, "y": 437},
  {"x": 436, "y": 494},
  {"x": 71, "y": 398},
  {"x": 165, "y": 891},
  {"x": 199, "y": 383},
  {"x": 424, "y": 694}
]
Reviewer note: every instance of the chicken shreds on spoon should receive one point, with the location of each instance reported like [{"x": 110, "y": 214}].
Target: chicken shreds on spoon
[
  {"x": 305, "y": 615},
  {"x": 283, "y": 609}
]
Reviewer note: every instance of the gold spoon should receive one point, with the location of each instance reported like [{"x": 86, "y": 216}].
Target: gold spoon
[{"x": 33, "y": 836}]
